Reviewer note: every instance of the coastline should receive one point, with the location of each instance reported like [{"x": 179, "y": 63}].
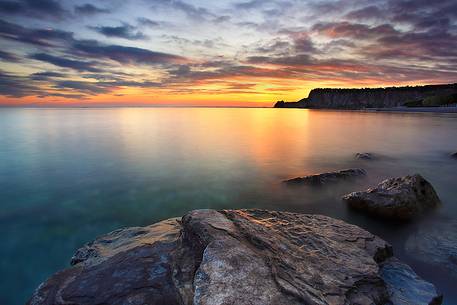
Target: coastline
[
  {"x": 414, "y": 109},
  {"x": 442, "y": 110}
]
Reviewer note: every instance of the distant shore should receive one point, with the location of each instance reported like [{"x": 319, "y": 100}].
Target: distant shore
[{"x": 415, "y": 109}]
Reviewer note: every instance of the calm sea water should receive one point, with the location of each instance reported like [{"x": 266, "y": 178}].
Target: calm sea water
[{"x": 68, "y": 175}]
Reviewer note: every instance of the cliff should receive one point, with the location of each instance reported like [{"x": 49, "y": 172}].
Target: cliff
[
  {"x": 328, "y": 98},
  {"x": 238, "y": 257}
]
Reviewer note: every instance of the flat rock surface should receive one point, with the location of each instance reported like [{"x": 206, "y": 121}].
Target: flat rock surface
[
  {"x": 325, "y": 178},
  {"x": 241, "y": 257},
  {"x": 396, "y": 198}
]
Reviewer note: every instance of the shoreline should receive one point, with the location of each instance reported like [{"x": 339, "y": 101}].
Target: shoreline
[
  {"x": 442, "y": 110},
  {"x": 414, "y": 109}
]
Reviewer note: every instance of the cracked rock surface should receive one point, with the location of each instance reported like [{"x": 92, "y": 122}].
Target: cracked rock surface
[{"x": 241, "y": 257}]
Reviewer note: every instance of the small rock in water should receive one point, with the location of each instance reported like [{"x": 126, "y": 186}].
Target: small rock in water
[
  {"x": 364, "y": 156},
  {"x": 331, "y": 177},
  {"x": 454, "y": 155},
  {"x": 396, "y": 198}
]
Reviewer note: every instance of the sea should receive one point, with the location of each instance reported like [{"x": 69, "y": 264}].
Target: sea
[{"x": 69, "y": 175}]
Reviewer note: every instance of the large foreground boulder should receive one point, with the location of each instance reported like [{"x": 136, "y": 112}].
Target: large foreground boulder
[
  {"x": 325, "y": 178},
  {"x": 238, "y": 257},
  {"x": 396, "y": 198}
]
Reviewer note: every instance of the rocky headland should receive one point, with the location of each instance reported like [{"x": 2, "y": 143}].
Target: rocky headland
[
  {"x": 239, "y": 257},
  {"x": 410, "y": 96}
]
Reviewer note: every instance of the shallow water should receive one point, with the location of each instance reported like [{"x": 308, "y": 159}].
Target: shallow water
[{"x": 68, "y": 175}]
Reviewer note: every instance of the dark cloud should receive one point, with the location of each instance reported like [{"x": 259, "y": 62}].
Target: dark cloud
[
  {"x": 191, "y": 11},
  {"x": 77, "y": 65},
  {"x": 147, "y": 22},
  {"x": 123, "y": 54},
  {"x": 125, "y": 31},
  {"x": 34, "y": 8},
  {"x": 11, "y": 7},
  {"x": 16, "y": 86},
  {"x": 419, "y": 46},
  {"x": 366, "y": 13},
  {"x": 45, "y": 76},
  {"x": 39, "y": 37},
  {"x": 91, "y": 88},
  {"x": 288, "y": 60},
  {"x": 90, "y": 9},
  {"x": 8, "y": 57},
  {"x": 249, "y": 5},
  {"x": 354, "y": 30}
]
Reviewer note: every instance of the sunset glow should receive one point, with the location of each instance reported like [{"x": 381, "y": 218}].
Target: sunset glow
[{"x": 217, "y": 53}]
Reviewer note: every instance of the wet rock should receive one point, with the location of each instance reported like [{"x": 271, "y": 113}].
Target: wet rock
[
  {"x": 130, "y": 266},
  {"x": 454, "y": 155},
  {"x": 435, "y": 244},
  {"x": 405, "y": 286},
  {"x": 364, "y": 156},
  {"x": 234, "y": 257},
  {"x": 325, "y": 178},
  {"x": 396, "y": 198}
]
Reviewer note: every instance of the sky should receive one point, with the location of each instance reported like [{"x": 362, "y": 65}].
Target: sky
[{"x": 217, "y": 53}]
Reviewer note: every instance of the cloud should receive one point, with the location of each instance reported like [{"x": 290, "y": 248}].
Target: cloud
[
  {"x": 123, "y": 54},
  {"x": 191, "y": 11},
  {"x": 249, "y": 5},
  {"x": 34, "y": 8},
  {"x": 247, "y": 42},
  {"x": 91, "y": 88},
  {"x": 11, "y": 7},
  {"x": 8, "y": 57},
  {"x": 147, "y": 22},
  {"x": 184, "y": 42},
  {"x": 366, "y": 13},
  {"x": 90, "y": 10},
  {"x": 39, "y": 37},
  {"x": 45, "y": 76},
  {"x": 425, "y": 45},
  {"x": 77, "y": 65},
  {"x": 288, "y": 60},
  {"x": 354, "y": 30},
  {"x": 125, "y": 31},
  {"x": 16, "y": 86}
]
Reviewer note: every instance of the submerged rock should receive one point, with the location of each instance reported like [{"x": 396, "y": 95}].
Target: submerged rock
[
  {"x": 397, "y": 198},
  {"x": 237, "y": 257},
  {"x": 435, "y": 244},
  {"x": 405, "y": 286},
  {"x": 331, "y": 177},
  {"x": 364, "y": 156}
]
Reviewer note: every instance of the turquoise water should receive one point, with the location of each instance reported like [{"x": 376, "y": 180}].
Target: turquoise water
[{"x": 68, "y": 175}]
